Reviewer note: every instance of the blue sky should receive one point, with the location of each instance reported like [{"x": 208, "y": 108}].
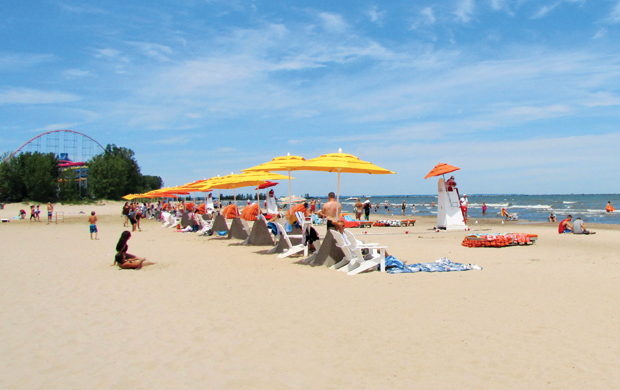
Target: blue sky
[{"x": 523, "y": 95}]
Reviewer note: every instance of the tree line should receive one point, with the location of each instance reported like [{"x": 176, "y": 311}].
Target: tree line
[{"x": 37, "y": 177}]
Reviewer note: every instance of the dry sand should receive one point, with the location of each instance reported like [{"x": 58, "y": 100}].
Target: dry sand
[{"x": 215, "y": 315}]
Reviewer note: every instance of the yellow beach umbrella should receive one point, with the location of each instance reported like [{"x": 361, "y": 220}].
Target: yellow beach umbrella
[
  {"x": 283, "y": 163},
  {"x": 343, "y": 162},
  {"x": 256, "y": 178},
  {"x": 131, "y": 196}
]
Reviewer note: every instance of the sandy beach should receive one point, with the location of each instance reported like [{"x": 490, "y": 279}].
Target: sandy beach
[{"x": 218, "y": 315}]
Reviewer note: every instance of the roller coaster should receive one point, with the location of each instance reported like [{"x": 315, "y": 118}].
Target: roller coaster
[{"x": 67, "y": 145}]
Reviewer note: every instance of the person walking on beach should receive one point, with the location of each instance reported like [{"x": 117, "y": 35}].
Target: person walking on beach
[
  {"x": 132, "y": 218},
  {"x": 331, "y": 212},
  {"x": 312, "y": 206},
  {"x": 32, "y": 216},
  {"x": 50, "y": 212},
  {"x": 464, "y": 203},
  {"x": 37, "y": 213},
  {"x": 93, "y": 225},
  {"x": 126, "y": 213},
  {"x": 404, "y": 207},
  {"x": 367, "y": 206}
]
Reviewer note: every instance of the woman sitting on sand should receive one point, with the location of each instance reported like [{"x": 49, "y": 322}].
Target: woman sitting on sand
[{"x": 124, "y": 259}]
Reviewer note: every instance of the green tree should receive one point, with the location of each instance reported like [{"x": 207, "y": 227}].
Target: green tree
[
  {"x": 31, "y": 176},
  {"x": 68, "y": 188},
  {"x": 114, "y": 173},
  {"x": 150, "y": 183}
]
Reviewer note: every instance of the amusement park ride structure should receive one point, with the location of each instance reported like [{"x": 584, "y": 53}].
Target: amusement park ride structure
[
  {"x": 70, "y": 147},
  {"x": 75, "y": 146}
]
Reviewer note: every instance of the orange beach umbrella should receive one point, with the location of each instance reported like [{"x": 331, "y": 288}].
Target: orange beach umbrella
[{"x": 441, "y": 169}]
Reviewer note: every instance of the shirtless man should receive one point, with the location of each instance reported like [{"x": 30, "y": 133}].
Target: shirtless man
[
  {"x": 93, "y": 226},
  {"x": 330, "y": 211}
]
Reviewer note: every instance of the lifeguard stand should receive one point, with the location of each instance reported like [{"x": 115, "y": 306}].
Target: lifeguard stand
[{"x": 449, "y": 212}]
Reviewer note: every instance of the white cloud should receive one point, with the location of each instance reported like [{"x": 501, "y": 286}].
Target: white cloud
[
  {"x": 600, "y": 33},
  {"x": 172, "y": 141},
  {"x": 376, "y": 16},
  {"x": 428, "y": 13},
  {"x": 19, "y": 61},
  {"x": 106, "y": 53},
  {"x": 614, "y": 16},
  {"x": 33, "y": 96},
  {"x": 497, "y": 4},
  {"x": 602, "y": 99},
  {"x": 464, "y": 10},
  {"x": 193, "y": 115},
  {"x": 81, "y": 9},
  {"x": 333, "y": 22},
  {"x": 57, "y": 126},
  {"x": 153, "y": 50},
  {"x": 75, "y": 73},
  {"x": 544, "y": 10}
]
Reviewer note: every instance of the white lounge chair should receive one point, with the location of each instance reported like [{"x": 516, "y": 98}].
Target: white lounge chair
[
  {"x": 375, "y": 258},
  {"x": 165, "y": 216},
  {"x": 292, "y": 249},
  {"x": 174, "y": 221},
  {"x": 205, "y": 225},
  {"x": 349, "y": 256}
]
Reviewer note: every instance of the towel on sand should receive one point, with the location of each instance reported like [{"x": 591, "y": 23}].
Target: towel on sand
[{"x": 395, "y": 266}]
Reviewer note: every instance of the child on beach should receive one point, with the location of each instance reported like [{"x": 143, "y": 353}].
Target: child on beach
[
  {"x": 93, "y": 226},
  {"x": 50, "y": 212}
]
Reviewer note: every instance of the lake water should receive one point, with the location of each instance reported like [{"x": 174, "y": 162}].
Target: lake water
[{"x": 591, "y": 208}]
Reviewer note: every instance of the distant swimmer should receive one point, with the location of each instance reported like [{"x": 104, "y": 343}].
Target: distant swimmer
[{"x": 609, "y": 207}]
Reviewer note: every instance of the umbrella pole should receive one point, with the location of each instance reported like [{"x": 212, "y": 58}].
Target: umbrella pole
[
  {"x": 290, "y": 196},
  {"x": 338, "y": 189}
]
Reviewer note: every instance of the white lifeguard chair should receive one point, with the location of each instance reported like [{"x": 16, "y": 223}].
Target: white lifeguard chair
[{"x": 449, "y": 212}]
